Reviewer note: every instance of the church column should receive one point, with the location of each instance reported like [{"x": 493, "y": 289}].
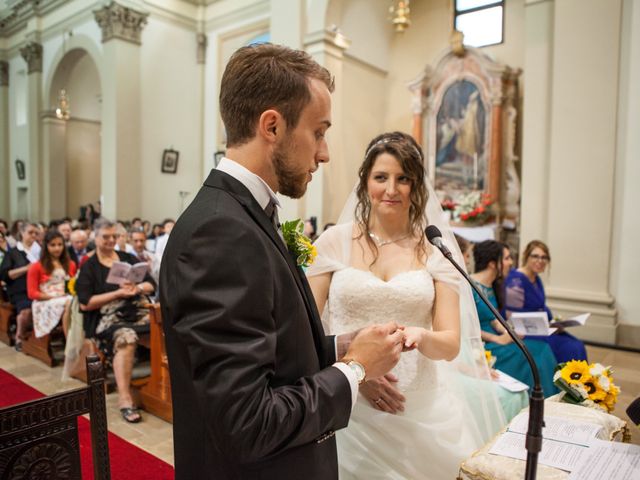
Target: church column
[
  {"x": 572, "y": 75},
  {"x": 121, "y": 172},
  {"x": 5, "y": 165},
  {"x": 36, "y": 181},
  {"x": 327, "y": 48}
]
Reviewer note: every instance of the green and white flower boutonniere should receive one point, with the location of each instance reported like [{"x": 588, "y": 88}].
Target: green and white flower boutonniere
[{"x": 297, "y": 243}]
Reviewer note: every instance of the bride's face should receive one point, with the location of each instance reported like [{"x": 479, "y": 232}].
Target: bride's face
[{"x": 388, "y": 186}]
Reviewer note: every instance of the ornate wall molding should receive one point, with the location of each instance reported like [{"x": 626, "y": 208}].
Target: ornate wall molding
[
  {"x": 4, "y": 73},
  {"x": 120, "y": 22},
  {"x": 32, "y": 54}
]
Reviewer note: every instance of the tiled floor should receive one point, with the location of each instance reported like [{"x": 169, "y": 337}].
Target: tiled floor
[{"x": 155, "y": 435}]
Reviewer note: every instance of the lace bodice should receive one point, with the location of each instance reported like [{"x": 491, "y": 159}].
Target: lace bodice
[{"x": 357, "y": 298}]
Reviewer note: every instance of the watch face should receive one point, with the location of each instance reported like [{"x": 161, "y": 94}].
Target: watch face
[{"x": 358, "y": 369}]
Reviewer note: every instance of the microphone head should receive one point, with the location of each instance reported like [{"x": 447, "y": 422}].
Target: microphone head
[
  {"x": 633, "y": 410},
  {"x": 432, "y": 233}
]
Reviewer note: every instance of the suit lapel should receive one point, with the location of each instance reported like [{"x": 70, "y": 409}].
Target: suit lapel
[{"x": 236, "y": 189}]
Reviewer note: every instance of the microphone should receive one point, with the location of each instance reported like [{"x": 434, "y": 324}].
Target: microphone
[
  {"x": 633, "y": 411},
  {"x": 435, "y": 238},
  {"x": 533, "y": 442}
]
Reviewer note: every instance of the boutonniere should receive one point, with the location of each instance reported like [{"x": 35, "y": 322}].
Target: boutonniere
[{"x": 297, "y": 243}]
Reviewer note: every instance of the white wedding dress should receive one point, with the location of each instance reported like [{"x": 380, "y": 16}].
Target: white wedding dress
[{"x": 436, "y": 431}]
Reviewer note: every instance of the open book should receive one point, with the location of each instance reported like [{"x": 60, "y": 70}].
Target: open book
[
  {"x": 121, "y": 272},
  {"x": 577, "y": 321},
  {"x": 565, "y": 442},
  {"x": 531, "y": 323}
]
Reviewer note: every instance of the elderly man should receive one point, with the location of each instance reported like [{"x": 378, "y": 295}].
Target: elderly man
[{"x": 78, "y": 248}]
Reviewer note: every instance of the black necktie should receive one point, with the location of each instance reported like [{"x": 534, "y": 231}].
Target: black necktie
[{"x": 271, "y": 210}]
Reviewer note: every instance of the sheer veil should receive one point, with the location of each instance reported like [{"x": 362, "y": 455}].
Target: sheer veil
[{"x": 468, "y": 374}]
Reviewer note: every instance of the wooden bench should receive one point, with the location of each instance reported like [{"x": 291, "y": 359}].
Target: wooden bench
[
  {"x": 7, "y": 319},
  {"x": 155, "y": 394}
]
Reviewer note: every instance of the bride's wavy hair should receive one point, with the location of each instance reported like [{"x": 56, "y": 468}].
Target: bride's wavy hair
[{"x": 406, "y": 150}]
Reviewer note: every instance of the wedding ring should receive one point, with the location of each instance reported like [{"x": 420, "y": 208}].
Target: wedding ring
[{"x": 377, "y": 402}]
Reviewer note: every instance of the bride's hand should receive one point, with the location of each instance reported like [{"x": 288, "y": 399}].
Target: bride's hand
[
  {"x": 413, "y": 336},
  {"x": 383, "y": 395}
]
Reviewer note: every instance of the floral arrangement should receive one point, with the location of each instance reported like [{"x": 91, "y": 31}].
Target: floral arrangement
[
  {"x": 473, "y": 207},
  {"x": 586, "y": 384},
  {"x": 448, "y": 204},
  {"x": 298, "y": 244},
  {"x": 70, "y": 286}
]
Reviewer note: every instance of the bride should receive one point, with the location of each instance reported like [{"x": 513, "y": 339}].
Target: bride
[{"x": 439, "y": 405}]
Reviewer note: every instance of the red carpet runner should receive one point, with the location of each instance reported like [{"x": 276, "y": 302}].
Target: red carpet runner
[{"x": 128, "y": 462}]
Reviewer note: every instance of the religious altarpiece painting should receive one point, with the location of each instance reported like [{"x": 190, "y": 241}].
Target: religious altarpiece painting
[{"x": 465, "y": 117}]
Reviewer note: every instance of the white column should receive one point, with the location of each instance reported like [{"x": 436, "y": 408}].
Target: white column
[
  {"x": 5, "y": 165},
  {"x": 121, "y": 171},
  {"x": 36, "y": 182},
  {"x": 571, "y": 92},
  {"x": 625, "y": 262}
]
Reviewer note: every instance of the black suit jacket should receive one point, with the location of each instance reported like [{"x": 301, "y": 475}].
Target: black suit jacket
[{"x": 254, "y": 396}]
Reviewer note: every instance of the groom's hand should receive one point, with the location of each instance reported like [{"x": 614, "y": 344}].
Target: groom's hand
[{"x": 377, "y": 348}]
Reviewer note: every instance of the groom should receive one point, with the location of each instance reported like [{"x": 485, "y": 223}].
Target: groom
[{"x": 258, "y": 389}]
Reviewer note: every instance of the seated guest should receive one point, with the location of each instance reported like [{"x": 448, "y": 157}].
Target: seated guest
[
  {"x": 492, "y": 263},
  {"x": 114, "y": 315},
  {"x": 525, "y": 293},
  {"x": 14, "y": 233},
  {"x": 13, "y": 272},
  {"x": 138, "y": 240},
  {"x": 466, "y": 247},
  {"x": 46, "y": 282},
  {"x": 64, "y": 228},
  {"x": 79, "y": 247},
  {"x": 4, "y": 246},
  {"x": 122, "y": 245},
  {"x": 161, "y": 242}
]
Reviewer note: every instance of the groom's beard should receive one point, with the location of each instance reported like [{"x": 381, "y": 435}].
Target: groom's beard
[{"x": 290, "y": 182}]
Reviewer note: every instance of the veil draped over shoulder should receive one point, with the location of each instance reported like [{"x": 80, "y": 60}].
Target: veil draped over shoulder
[{"x": 467, "y": 376}]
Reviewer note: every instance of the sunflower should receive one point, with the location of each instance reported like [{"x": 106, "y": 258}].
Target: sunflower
[
  {"x": 595, "y": 392},
  {"x": 575, "y": 372},
  {"x": 609, "y": 402}
]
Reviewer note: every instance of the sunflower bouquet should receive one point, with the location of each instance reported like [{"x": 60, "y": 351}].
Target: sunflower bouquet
[{"x": 586, "y": 384}]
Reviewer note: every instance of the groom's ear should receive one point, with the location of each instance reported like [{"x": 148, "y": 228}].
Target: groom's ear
[{"x": 270, "y": 126}]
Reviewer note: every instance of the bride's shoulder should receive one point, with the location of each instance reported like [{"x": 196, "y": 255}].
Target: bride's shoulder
[{"x": 336, "y": 233}]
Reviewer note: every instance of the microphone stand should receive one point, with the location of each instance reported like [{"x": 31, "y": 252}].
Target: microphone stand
[{"x": 533, "y": 442}]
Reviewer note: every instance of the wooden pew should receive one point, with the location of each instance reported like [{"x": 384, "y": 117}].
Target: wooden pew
[
  {"x": 41, "y": 348},
  {"x": 155, "y": 395},
  {"x": 7, "y": 318}
]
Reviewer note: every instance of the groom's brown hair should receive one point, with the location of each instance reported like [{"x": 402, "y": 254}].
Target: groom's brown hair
[{"x": 264, "y": 76}]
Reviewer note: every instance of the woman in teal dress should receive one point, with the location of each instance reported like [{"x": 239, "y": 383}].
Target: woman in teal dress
[{"x": 492, "y": 263}]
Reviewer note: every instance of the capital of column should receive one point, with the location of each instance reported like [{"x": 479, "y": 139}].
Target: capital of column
[
  {"x": 4, "y": 73},
  {"x": 117, "y": 21},
  {"x": 32, "y": 54}
]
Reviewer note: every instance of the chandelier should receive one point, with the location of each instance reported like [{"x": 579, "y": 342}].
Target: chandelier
[
  {"x": 399, "y": 15},
  {"x": 62, "y": 110}
]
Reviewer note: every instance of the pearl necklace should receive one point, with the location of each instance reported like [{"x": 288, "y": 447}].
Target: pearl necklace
[{"x": 381, "y": 243}]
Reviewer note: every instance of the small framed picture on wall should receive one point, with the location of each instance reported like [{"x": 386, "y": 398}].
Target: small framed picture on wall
[
  {"x": 20, "y": 170},
  {"x": 170, "y": 161}
]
